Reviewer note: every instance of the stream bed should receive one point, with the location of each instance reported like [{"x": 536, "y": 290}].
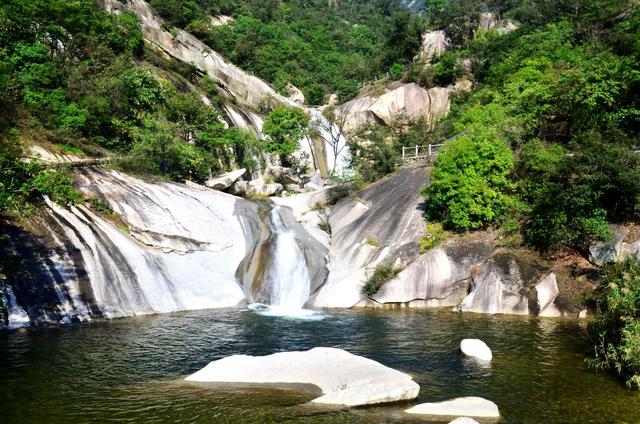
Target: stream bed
[{"x": 131, "y": 370}]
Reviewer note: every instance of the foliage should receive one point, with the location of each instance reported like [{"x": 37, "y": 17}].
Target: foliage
[
  {"x": 285, "y": 127},
  {"x": 616, "y": 327},
  {"x": 373, "y": 154},
  {"x": 23, "y": 184},
  {"x": 381, "y": 274},
  {"x": 435, "y": 236},
  {"x": 372, "y": 241},
  {"x": 470, "y": 186},
  {"x": 320, "y": 48}
]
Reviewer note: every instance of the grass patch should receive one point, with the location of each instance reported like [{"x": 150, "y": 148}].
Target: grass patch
[
  {"x": 325, "y": 226},
  {"x": 372, "y": 241},
  {"x": 381, "y": 274},
  {"x": 72, "y": 150},
  {"x": 435, "y": 236}
]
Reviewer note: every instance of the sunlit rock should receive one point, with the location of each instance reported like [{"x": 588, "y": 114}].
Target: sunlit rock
[
  {"x": 477, "y": 349},
  {"x": 618, "y": 249},
  {"x": 463, "y": 420},
  {"x": 387, "y": 212},
  {"x": 224, "y": 181},
  {"x": 547, "y": 291},
  {"x": 344, "y": 378},
  {"x": 409, "y": 100},
  {"x": 434, "y": 43},
  {"x": 468, "y": 406},
  {"x": 295, "y": 95}
]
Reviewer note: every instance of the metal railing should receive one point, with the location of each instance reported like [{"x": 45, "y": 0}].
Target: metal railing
[{"x": 411, "y": 153}]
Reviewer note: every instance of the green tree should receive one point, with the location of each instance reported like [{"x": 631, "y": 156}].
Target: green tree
[
  {"x": 285, "y": 127},
  {"x": 470, "y": 185}
]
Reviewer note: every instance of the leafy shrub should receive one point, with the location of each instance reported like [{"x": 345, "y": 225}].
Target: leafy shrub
[
  {"x": 381, "y": 274},
  {"x": 372, "y": 154},
  {"x": 285, "y": 126},
  {"x": 435, "y": 235},
  {"x": 325, "y": 226},
  {"x": 57, "y": 185},
  {"x": 372, "y": 241},
  {"x": 470, "y": 186},
  {"x": 616, "y": 327}
]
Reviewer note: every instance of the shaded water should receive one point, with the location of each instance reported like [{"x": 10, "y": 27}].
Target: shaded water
[{"x": 130, "y": 370}]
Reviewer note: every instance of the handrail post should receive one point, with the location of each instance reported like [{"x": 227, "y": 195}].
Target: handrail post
[
  {"x": 403, "y": 153},
  {"x": 416, "y": 151},
  {"x": 429, "y": 149}
]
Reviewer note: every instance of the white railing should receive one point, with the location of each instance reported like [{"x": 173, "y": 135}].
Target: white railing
[{"x": 420, "y": 152}]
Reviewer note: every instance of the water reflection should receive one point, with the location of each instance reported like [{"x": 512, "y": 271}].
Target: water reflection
[{"x": 131, "y": 370}]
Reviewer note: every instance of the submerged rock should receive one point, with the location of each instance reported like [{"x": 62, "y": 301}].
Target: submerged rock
[
  {"x": 477, "y": 349},
  {"x": 468, "y": 406},
  {"x": 344, "y": 378}
]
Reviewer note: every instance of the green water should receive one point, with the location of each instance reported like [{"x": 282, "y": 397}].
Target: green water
[{"x": 131, "y": 370}]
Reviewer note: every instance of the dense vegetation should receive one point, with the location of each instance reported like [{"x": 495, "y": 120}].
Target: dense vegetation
[
  {"x": 320, "y": 46},
  {"x": 617, "y": 326},
  {"x": 78, "y": 79},
  {"x": 546, "y": 142}
]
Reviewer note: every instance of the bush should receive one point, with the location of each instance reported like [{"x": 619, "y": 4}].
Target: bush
[
  {"x": 470, "y": 186},
  {"x": 435, "y": 235},
  {"x": 285, "y": 127},
  {"x": 616, "y": 327},
  {"x": 372, "y": 155},
  {"x": 381, "y": 274}
]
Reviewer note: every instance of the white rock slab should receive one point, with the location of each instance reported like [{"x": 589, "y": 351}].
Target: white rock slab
[
  {"x": 344, "y": 378},
  {"x": 224, "y": 181},
  {"x": 477, "y": 349},
  {"x": 463, "y": 420},
  {"x": 471, "y": 406}
]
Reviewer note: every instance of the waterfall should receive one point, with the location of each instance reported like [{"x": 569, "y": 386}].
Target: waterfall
[
  {"x": 16, "y": 315},
  {"x": 288, "y": 276},
  {"x": 285, "y": 283}
]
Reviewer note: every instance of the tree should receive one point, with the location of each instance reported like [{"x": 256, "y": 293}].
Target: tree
[
  {"x": 285, "y": 127},
  {"x": 332, "y": 125},
  {"x": 470, "y": 186}
]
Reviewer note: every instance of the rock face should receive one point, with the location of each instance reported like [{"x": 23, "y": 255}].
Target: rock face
[
  {"x": 224, "y": 181},
  {"x": 476, "y": 349},
  {"x": 165, "y": 247},
  {"x": 220, "y": 20},
  {"x": 344, "y": 378},
  {"x": 618, "y": 249},
  {"x": 497, "y": 287},
  {"x": 295, "y": 95},
  {"x": 387, "y": 212},
  {"x": 440, "y": 277},
  {"x": 547, "y": 291},
  {"x": 469, "y": 406},
  {"x": 489, "y": 20},
  {"x": 410, "y": 100},
  {"x": 434, "y": 43}
]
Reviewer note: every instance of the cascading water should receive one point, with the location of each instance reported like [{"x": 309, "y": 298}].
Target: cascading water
[{"x": 287, "y": 276}]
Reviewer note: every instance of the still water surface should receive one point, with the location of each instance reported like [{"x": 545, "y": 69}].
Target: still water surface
[{"x": 131, "y": 370}]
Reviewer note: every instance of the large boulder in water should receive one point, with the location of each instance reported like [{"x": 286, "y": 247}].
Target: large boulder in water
[
  {"x": 477, "y": 349},
  {"x": 471, "y": 406},
  {"x": 344, "y": 378}
]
